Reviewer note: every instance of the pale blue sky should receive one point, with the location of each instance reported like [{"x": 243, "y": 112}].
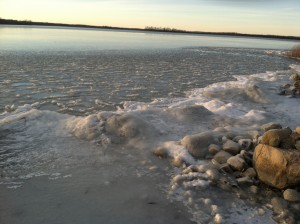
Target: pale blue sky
[{"x": 280, "y": 17}]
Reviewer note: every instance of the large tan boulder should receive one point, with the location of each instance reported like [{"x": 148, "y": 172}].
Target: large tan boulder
[{"x": 277, "y": 167}]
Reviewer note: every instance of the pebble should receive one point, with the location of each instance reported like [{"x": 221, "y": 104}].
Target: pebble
[
  {"x": 214, "y": 149},
  {"x": 250, "y": 172},
  {"x": 297, "y": 145},
  {"x": 271, "y": 125},
  {"x": 279, "y": 204},
  {"x": 226, "y": 168},
  {"x": 218, "y": 218},
  {"x": 236, "y": 163},
  {"x": 231, "y": 147},
  {"x": 244, "y": 181},
  {"x": 213, "y": 174},
  {"x": 298, "y": 130},
  {"x": 253, "y": 189},
  {"x": 291, "y": 195},
  {"x": 261, "y": 211},
  {"x": 222, "y": 157},
  {"x": 245, "y": 144}
]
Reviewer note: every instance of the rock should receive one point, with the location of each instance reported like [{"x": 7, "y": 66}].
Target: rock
[
  {"x": 253, "y": 189},
  {"x": 213, "y": 174},
  {"x": 161, "y": 152},
  {"x": 222, "y": 157},
  {"x": 231, "y": 147},
  {"x": 244, "y": 181},
  {"x": 261, "y": 211},
  {"x": 274, "y": 137},
  {"x": 291, "y": 195},
  {"x": 279, "y": 204},
  {"x": 177, "y": 162},
  {"x": 254, "y": 134},
  {"x": 277, "y": 167},
  {"x": 297, "y": 145},
  {"x": 271, "y": 125},
  {"x": 250, "y": 172},
  {"x": 236, "y": 163},
  {"x": 214, "y": 149},
  {"x": 226, "y": 168},
  {"x": 230, "y": 135},
  {"x": 287, "y": 143},
  {"x": 197, "y": 145},
  {"x": 298, "y": 130},
  {"x": 237, "y": 138},
  {"x": 245, "y": 144}
]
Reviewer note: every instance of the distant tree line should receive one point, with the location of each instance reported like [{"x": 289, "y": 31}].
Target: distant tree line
[
  {"x": 147, "y": 28},
  {"x": 164, "y": 29}
]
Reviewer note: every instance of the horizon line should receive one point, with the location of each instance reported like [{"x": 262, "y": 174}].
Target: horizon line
[{"x": 146, "y": 29}]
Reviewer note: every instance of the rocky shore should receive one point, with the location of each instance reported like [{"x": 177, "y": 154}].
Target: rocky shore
[{"x": 261, "y": 167}]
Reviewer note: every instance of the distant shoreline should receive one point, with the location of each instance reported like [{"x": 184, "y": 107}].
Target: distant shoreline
[{"x": 147, "y": 29}]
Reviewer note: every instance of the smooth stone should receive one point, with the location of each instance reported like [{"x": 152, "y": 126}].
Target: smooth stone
[
  {"x": 244, "y": 181},
  {"x": 237, "y": 138},
  {"x": 226, "y": 168},
  {"x": 274, "y": 137},
  {"x": 261, "y": 211},
  {"x": 297, "y": 145},
  {"x": 245, "y": 144},
  {"x": 297, "y": 130},
  {"x": 279, "y": 204},
  {"x": 254, "y": 134},
  {"x": 291, "y": 195},
  {"x": 222, "y": 157},
  {"x": 161, "y": 152},
  {"x": 250, "y": 172},
  {"x": 197, "y": 145},
  {"x": 214, "y": 149},
  {"x": 236, "y": 163},
  {"x": 277, "y": 167},
  {"x": 253, "y": 189},
  {"x": 213, "y": 174},
  {"x": 231, "y": 147},
  {"x": 271, "y": 125}
]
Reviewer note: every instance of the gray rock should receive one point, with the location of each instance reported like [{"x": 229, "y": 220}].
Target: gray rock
[
  {"x": 250, "y": 172},
  {"x": 244, "y": 181},
  {"x": 214, "y": 149},
  {"x": 222, "y": 157},
  {"x": 291, "y": 195},
  {"x": 279, "y": 204},
  {"x": 197, "y": 145},
  {"x": 236, "y": 163},
  {"x": 237, "y": 138},
  {"x": 213, "y": 174},
  {"x": 245, "y": 144},
  {"x": 231, "y": 147},
  {"x": 226, "y": 168},
  {"x": 271, "y": 125},
  {"x": 253, "y": 189}
]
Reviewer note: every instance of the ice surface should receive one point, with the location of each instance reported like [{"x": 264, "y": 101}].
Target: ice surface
[{"x": 46, "y": 144}]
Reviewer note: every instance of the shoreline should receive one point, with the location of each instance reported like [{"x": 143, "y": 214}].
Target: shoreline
[{"x": 147, "y": 29}]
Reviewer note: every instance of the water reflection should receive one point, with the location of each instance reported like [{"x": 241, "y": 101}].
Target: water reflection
[{"x": 57, "y": 38}]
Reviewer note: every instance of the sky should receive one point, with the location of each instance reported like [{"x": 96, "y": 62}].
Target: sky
[{"x": 278, "y": 17}]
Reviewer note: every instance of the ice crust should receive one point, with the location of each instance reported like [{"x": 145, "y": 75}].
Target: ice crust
[{"x": 65, "y": 140}]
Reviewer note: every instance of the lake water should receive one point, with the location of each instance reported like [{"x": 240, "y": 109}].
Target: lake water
[{"x": 83, "y": 109}]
